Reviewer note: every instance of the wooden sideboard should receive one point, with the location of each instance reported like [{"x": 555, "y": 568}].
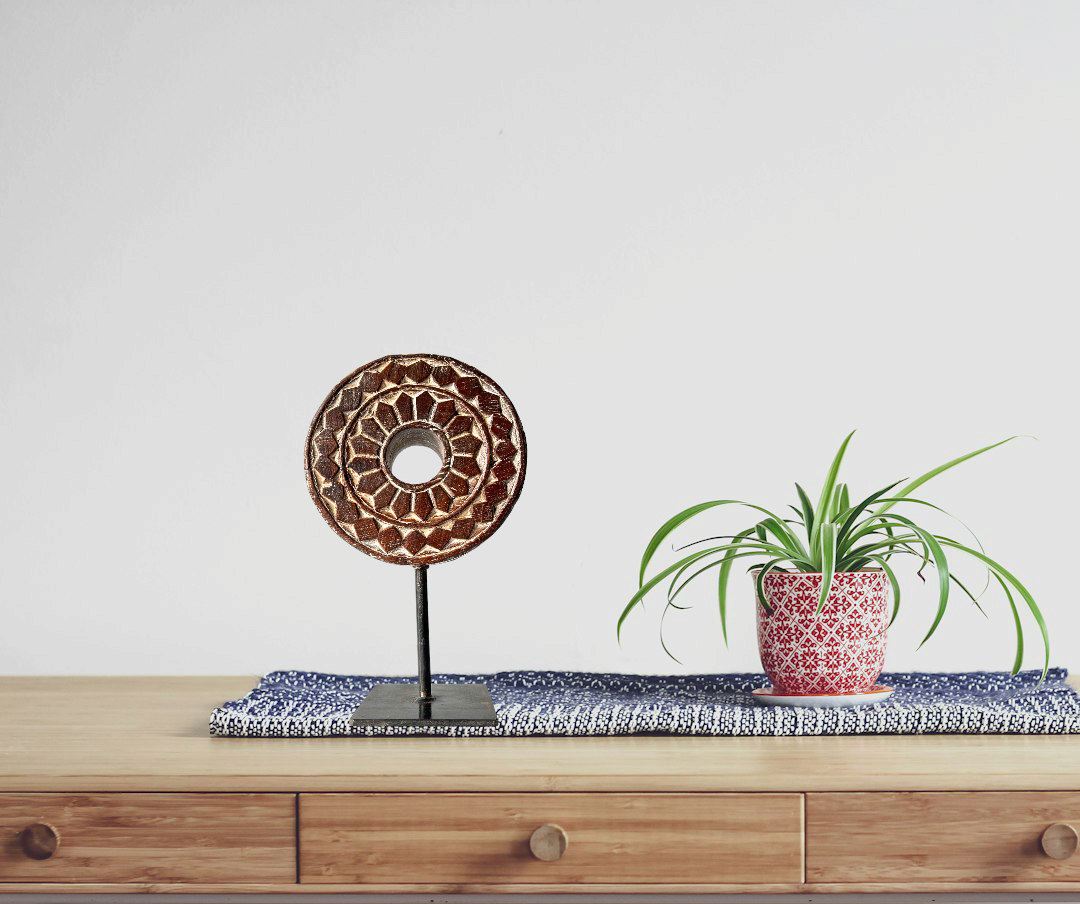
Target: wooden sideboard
[{"x": 113, "y": 784}]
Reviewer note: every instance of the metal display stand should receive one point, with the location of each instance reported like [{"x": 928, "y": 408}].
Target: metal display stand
[
  {"x": 366, "y": 421},
  {"x": 422, "y": 703}
]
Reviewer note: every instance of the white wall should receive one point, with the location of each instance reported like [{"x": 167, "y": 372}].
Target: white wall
[{"x": 696, "y": 243}]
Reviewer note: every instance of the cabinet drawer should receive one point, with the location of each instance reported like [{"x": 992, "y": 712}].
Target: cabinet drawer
[
  {"x": 946, "y": 837},
  {"x": 213, "y": 838},
  {"x": 417, "y": 839}
]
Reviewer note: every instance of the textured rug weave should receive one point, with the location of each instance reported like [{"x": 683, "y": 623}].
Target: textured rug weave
[{"x": 312, "y": 704}]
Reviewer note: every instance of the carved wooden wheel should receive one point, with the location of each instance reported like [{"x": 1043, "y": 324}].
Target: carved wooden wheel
[{"x": 415, "y": 400}]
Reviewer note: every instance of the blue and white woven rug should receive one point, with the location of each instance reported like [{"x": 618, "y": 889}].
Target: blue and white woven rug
[{"x": 312, "y": 704}]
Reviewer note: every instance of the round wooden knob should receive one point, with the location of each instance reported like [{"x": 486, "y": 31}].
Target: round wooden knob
[
  {"x": 1060, "y": 841},
  {"x": 548, "y": 842},
  {"x": 39, "y": 841}
]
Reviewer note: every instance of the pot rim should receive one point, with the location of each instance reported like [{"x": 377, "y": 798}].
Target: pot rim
[{"x": 810, "y": 574}]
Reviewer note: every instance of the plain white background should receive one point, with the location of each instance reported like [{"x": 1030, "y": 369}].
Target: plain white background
[{"x": 696, "y": 243}]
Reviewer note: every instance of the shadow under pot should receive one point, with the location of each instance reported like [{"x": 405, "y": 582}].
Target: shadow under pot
[{"x": 839, "y": 650}]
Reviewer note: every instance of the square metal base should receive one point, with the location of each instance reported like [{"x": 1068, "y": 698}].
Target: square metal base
[{"x": 454, "y": 704}]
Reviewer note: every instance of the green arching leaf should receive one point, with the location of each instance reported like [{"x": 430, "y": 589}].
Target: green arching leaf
[
  {"x": 668, "y": 526},
  {"x": 938, "y": 508},
  {"x": 899, "y": 544},
  {"x": 677, "y": 520},
  {"x": 941, "y": 565},
  {"x": 671, "y": 569},
  {"x": 929, "y": 475},
  {"x": 893, "y": 500},
  {"x": 721, "y": 563},
  {"x": 838, "y": 537},
  {"x": 674, "y": 591},
  {"x": 828, "y": 562},
  {"x": 784, "y": 535},
  {"x": 663, "y": 643},
  {"x": 722, "y": 586},
  {"x": 968, "y": 594},
  {"x": 895, "y": 545},
  {"x": 925, "y": 559},
  {"x": 884, "y": 545},
  {"x": 674, "y": 581},
  {"x": 1025, "y": 594},
  {"x": 870, "y": 527},
  {"x": 871, "y": 524},
  {"x": 893, "y": 582},
  {"x": 1019, "y": 660},
  {"x": 889, "y": 533},
  {"x": 807, "y": 511},
  {"x": 823, "y": 513},
  {"x": 978, "y": 543},
  {"x": 853, "y": 514},
  {"x": 710, "y": 540},
  {"x": 843, "y": 502},
  {"x": 733, "y": 537},
  {"x": 759, "y": 582}
]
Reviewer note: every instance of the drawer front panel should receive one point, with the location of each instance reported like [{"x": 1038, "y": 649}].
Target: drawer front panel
[
  {"x": 417, "y": 839},
  {"x": 219, "y": 838},
  {"x": 944, "y": 836}
]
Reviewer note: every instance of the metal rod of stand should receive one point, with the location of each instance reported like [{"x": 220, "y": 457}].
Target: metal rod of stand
[{"x": 423, "y": 643}]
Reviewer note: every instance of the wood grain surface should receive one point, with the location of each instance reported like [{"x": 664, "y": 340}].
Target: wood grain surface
[
  {"x": 150, "y": 734},
  {"x": 226, "y": 838},
  {"x": 611, "y": 838},
  {"x": 916, "y": 837}
]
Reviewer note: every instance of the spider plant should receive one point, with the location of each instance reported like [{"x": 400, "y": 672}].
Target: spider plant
[{"x": 837, "y": 536}]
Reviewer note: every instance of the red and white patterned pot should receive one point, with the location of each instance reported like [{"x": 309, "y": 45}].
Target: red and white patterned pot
[{"x": 840, "y": 650}]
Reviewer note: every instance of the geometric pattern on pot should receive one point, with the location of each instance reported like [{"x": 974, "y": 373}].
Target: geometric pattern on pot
[
  {"x": 840, "y": 650},
  {"x": 397, "y": 402}
]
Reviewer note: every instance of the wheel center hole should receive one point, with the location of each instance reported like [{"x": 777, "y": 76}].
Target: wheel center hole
[{"x": 415, "y": 455}]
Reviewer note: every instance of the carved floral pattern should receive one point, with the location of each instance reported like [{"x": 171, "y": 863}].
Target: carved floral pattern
[{"x": 403, "y": 400}]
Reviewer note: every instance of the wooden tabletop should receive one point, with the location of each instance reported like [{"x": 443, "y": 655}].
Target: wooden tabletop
[{"x": 150, "y": 734}]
